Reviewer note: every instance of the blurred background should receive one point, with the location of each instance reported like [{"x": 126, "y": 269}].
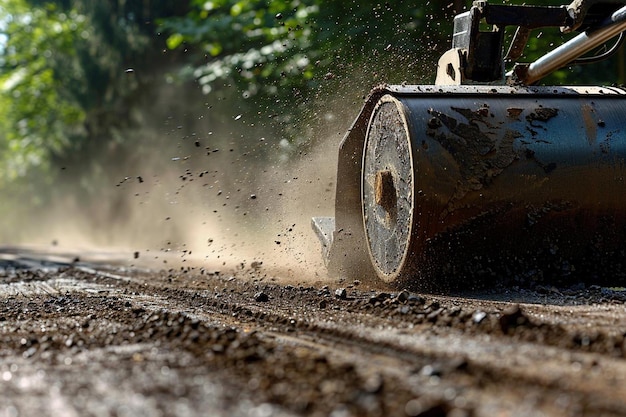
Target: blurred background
[{"x": 207, "y": 128}]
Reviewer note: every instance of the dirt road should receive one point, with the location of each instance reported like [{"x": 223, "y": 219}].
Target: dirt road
[{"x": 80, "y": 339}]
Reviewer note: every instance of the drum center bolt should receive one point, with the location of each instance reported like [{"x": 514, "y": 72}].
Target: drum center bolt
[{"x": 385, "y": 194}]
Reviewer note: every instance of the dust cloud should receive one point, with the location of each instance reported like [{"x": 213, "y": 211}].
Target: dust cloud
[{"x": 198, "y": 186}]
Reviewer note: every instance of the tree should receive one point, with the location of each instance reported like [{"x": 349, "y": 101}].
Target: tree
[
  {"x": 39, "y": 117},
  {"x": 66, "y": 71},
  {"x": 274, "y": 49},
  {"x": 287, "y": 54}
]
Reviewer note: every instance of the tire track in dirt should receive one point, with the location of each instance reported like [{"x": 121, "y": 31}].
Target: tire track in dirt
[{"x": 522, "y": 367}]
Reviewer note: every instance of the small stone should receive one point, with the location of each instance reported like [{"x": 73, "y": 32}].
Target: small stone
[
  {"x": 30, "y": 352},
  {"x": 323, "y": 304},
  {"x": 381, "y": 296},
  {"x": 402, "y": 296},
  {"x": 511, "y": 318},
  {"x": 434, "y": 305},
  {"x": 341, "y": 293},
  {"x": 478, "y": 316},
  {"x": 416, "y": 299},
  {"x": 373, "y": 384},
  {"x": 261, "y": 297},
  {"x": 324, "y": 292},
  {"x": 404, "y": 309},
  {"x": 433, "y": 316},
  {"x": 431, "y": 370}
]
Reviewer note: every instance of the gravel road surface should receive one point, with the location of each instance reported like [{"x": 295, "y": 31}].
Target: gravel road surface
[{"x": 98, "y": 338}]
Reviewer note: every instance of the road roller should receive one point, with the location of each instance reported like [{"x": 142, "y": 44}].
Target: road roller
[{"x": 486, "y": 174}]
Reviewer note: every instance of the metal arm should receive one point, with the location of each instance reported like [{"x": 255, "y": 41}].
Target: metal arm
[
  {"x": 569, "y": 51},
  {"x": 476, "y": 56}
]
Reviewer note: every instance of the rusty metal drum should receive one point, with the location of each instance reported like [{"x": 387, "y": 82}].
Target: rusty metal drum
[{"x": 479, "y": 180}]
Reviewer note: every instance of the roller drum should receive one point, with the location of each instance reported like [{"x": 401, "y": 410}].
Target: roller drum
[{"x": 494, "y": 182}]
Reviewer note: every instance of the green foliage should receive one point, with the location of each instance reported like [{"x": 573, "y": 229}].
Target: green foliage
[
  {"x": 272, "y": 48},
  {"x": 39, "y": 117},
  {"x": 63, "y": 74}
]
